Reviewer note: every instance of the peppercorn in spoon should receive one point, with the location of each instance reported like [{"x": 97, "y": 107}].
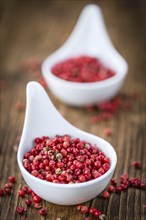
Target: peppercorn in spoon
[
  {"x": 88, "y": 38},
  {"x": 43, "y": 119}
]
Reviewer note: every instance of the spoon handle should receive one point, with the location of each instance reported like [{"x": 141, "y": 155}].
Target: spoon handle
[
  {"x": 40, "y": 109},
  {"x": 89, "y": 31}
]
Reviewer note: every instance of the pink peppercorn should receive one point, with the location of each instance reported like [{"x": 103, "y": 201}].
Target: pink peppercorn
[
  {"x": 111, "y": 188},
  {"x": 92, "y": 210},
  {"x": 26, "y": 189},
  {"x": 11, "y": 179},
  {"x": 142, "y": 186},
  {"x": 106, "y": 194},
  {"x": 79, "y": 207},
  {"x": 97, "y": 213},
  {"x": 88, "y": 218},
  {"x": 8, "y": 185},
  {"x": 42, "y": 211},
  {"x": 20, "y": 106},
  {"x": 28, "y": 202},
  {"x": 84, "y": 209},
  {"x": 136, "y": 182},
  {"x": 118, "y": 189},
  {"x": 108, "y": 132},
  {"x": 36, "y": 199},
  {"x": 20, "y": 210},
  {"x": 136, "y": 164},
  {"x": 7, "y": 190},
  {"x": 37, "y": 205},
  {"x": 113, "y": 182},
  {"x": 22, "y": 193}
]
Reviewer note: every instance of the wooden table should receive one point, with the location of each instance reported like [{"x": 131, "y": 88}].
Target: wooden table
[{"x": 32, "y": 29}]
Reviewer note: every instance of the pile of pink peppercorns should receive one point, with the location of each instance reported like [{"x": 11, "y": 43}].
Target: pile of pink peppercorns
[
  {"x": 83, "y": 69},
  {"x": 64, "y": 160}
]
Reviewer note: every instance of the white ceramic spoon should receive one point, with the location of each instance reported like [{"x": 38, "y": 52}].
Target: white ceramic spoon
[
  {"x": 41, "y": 119},
  {"x": 89, "y": 37}
]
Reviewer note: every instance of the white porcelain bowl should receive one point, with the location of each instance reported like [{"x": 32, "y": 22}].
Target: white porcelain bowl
[
  {"x": 41, "y": 119},
  {"x": 90, "y": 38}
]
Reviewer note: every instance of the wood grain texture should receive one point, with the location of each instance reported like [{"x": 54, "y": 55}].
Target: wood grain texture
[{"x": 37, "y": 28}]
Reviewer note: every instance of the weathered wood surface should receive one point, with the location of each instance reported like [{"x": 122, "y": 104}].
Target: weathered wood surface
[{"x": 37, "y": 28}]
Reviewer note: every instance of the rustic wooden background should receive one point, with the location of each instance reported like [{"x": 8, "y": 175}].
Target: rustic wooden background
[{"x": 33, "y": 28}]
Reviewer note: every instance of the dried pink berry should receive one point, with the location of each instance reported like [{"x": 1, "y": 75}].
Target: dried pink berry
[
  {"x": 136, "y": 164},
  {"x": 37, "y": 205},
  {"x": 97, "y": 213},
  {"x": 84, "y": 209},
  {"x": 92, "y": 210},
  {"x": 11, "y": 179},
  {"x": 20, "y": 210},
  {"x": 28, "y": 202},
  {"x": 42, "y": 211},
  {"x": 7, "y": 190},
  {"x": 79, "y": 207},
  {"x": 108, "y": 132},
  {"x": 36, "y": 199},
  {"x": 111, "y": 188},
  {"x": 118, "y": 189},
  {"x": 20, "y": 106},
  {"x": 113, "y": 182},
  {"x": 8, "y": 185},
  {"x": 106, "y": 194},
  {"x": 22, "y": 193}
]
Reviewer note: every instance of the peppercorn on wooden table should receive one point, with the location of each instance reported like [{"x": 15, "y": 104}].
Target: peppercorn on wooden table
[{"x": 30, "y": 31}]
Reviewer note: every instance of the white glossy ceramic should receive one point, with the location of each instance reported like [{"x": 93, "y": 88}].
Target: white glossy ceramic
[
  {"x": 89, "y": 37},
  {"x": 41, "y": 119}
]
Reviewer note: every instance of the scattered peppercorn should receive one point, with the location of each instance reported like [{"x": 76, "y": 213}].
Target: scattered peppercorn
[
  {"x": 136, "y": 164},
  {"x": 19, "y": 106},
  {"x": 42, "y": 211},
  {"x": 108, "y": 132},
  {"x": 37, "y": 205},
  {"x": 20, "y": 210},
  {"x": 36, "y": 199},
  {"x": 11, "y": 179},
  {"x": 28, "y": 202},
  {"x": 8, "y": 185},
  {"x": 7, "y": 190},
  {"x": 84, "y": 209},
  {"x": 106, "y": 194},
  {"x": 22, "y": 193}
]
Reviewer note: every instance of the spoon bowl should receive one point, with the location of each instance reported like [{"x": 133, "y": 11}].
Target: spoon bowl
[
  {"x": 89, "y": 37},
  {"x": 42, "y": 119}
]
